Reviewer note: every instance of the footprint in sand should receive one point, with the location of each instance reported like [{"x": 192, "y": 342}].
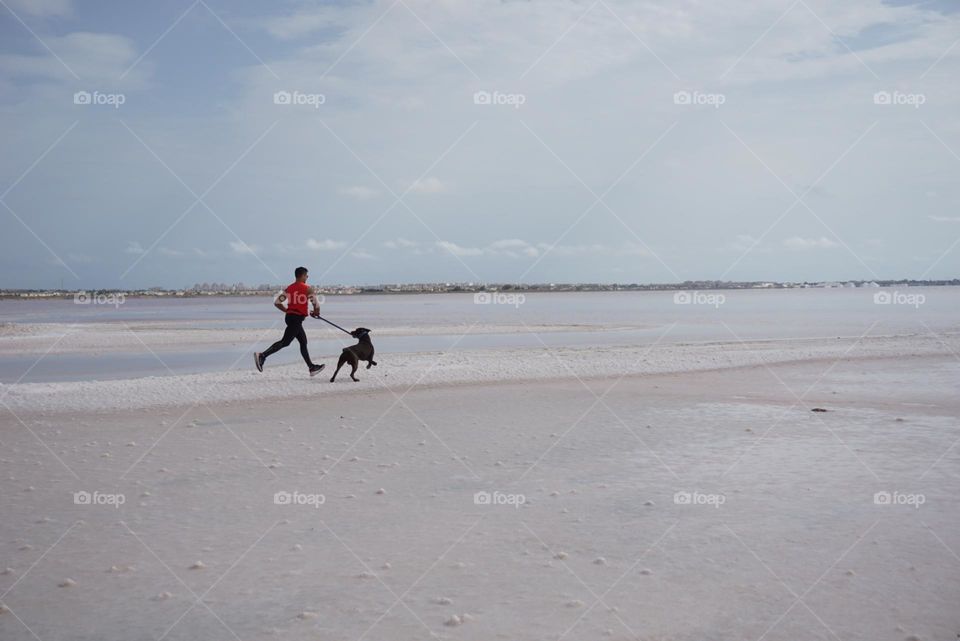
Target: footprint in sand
[
  {"x": 114, "y": 569},
  {"x": 458, "y": 619}
]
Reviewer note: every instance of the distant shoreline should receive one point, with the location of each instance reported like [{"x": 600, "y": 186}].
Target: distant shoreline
[{"x": 438, "y": 288}]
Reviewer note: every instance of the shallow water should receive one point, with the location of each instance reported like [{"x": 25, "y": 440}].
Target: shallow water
[
  {"x": 760, "y": 310},
  {"x": 596, "y": 318}
]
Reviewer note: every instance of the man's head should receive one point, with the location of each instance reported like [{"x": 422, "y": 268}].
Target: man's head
[{"x": 300, "y": 273}]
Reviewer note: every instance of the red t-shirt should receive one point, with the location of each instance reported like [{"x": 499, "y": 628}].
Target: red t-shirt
[{"x": 298, "y": 295}]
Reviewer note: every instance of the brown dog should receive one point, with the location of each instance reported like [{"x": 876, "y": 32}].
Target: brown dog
[{"x": 362, "y": 351}]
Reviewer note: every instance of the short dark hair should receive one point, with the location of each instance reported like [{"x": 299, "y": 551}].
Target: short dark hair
[{"x": 299, "y": 271}]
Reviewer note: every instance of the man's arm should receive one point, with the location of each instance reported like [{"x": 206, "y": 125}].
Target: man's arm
[
  {"x": 278, "y": 302},
  {"x": 316, "y": 303}
]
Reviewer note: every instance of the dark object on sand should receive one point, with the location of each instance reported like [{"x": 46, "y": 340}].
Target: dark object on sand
[
  {"x": 362, "y": 351},
  {"x": 818, "y": 409}
]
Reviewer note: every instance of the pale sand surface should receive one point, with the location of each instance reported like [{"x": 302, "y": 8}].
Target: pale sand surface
[{"x": 798, "y": 548}]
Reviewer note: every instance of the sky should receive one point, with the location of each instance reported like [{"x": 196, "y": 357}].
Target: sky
[{"x": 167, "y": 144}]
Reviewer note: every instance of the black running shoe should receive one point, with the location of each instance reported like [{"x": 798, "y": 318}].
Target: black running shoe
[
  {"x": 316, "y": 369},
  {"x": 258, "y": 361}
]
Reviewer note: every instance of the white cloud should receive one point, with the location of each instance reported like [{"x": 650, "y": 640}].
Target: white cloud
[
  {"x": 509, "y": 243},
  {"x": 513, "y": 247},
  {"x": 400, "y": 242},
  {"x": 801, "y": 244},
  {"x": 458, "y": 250},
  {"x": 516, "y": 248},
  {"x": 599, "y": 249},
  {"x": 167, "y": 251},
  {"x": 431, "y": 185},
  {"x": 945, "y": 219},
  {"x": 359, "y": 192},
  {"x": 133, "y": 247},
  {"x": 325, "y": 245},
  {"x": 363, "y": 255},
  {"x": 240, "y": 247}
]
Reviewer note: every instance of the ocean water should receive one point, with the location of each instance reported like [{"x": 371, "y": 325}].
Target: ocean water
[{"x": 589, "y": 318}]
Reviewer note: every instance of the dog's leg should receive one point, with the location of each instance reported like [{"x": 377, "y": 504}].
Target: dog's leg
[
  {"x": 339, "y": 365},
  {"x": 353, "y": 364}
]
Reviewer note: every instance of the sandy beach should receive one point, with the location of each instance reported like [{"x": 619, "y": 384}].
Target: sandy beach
[{"x": 675, "y": 490}]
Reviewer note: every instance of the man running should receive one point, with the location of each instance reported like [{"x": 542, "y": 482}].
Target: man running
[{"x": 296, "y": 295}]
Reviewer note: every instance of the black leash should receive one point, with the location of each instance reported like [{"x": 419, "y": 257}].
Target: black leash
[{"x": 334, "y": 324}]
